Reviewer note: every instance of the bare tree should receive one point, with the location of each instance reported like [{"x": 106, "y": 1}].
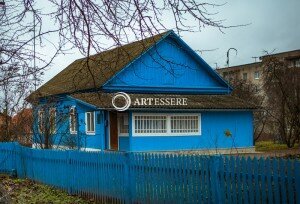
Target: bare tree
[
  {"x": 86, "y": 25},
  {"x": 282, "y": 87},
  {"x": 20, "y": 67},
  {"x": 90, "y": 26},
  {"x": 21, "y": 127}
]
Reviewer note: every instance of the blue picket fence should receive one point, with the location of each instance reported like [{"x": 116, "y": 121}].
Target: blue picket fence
[{"x": 115, "y": 177}]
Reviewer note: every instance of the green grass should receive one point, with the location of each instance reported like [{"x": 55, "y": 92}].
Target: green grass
[
  {"x": 271, "y": 146},
  {"x": 26, "y": 191}
]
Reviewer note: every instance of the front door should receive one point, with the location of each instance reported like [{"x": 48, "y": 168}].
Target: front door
[{"x": 113, "y": 130}]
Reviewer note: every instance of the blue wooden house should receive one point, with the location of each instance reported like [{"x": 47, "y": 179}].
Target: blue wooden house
[{"x": 177, "y": 102}]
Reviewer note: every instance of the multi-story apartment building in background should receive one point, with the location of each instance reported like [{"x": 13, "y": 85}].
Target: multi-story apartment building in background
[{"x": 253, "y": 72}]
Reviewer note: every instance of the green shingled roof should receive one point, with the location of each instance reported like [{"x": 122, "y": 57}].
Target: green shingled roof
[{"x": 79, "y": 76}]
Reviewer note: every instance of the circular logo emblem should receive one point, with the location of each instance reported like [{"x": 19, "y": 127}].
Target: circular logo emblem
[{"x": 121, "y": 101}]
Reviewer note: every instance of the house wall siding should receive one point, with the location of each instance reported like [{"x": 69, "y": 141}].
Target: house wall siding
[
  {"x": 123, "y": 143},
  {"x": 214, "y": 124},
  {"x": 96, "y": 140},
  {"x": 62, "y": 136}
]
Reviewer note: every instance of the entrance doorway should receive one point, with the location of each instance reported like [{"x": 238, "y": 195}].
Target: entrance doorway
[{"x": 113, "y": 131}]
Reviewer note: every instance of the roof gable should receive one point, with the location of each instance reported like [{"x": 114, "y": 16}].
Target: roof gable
[
  {"x": 107, "y": 66},
  {"x": 169, "y": 66}
]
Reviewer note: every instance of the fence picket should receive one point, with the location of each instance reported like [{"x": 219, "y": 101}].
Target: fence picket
[
  {"x": 228, "y": 180},
  {"x": 250, "y": 180},
  {"x": 283, "y": 186},
  {"x": 222, "y": 180},
  {"x": 233, "y": 180},
  {"x": 276, "y": 182},
  {"x": 263, "y": 180},
  {"x": 169, "y": 196},
  {"x": 239, "y": 169},
  {"x": 207, "y": 182},
  {"x": 297, "y": 180},
  {"x": 290, "y": 182},
  {"x": 256, "y": 180},
  {"x": 244, "y": 181},
  {"x": 269, "y": 182}
]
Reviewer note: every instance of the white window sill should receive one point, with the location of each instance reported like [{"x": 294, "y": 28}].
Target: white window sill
[
  {"x": 90, "y": 133},
  {"x": 167, "y": 135},
  {"x": 73, "y": 132},
  {"x": 123, "y": 135}
]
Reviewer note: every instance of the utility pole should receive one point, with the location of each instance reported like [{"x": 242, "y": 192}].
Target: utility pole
[
  {"x": 34, "y": 62},
  {"x": 2, "y": 9},
  {"x": 227, "y": 62}
]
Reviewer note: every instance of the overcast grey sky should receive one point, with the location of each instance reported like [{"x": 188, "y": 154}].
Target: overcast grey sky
[{"x": 274, "y": 24}]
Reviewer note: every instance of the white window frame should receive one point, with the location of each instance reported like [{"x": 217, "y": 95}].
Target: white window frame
[
  {"x": 245, "y": 74},
  {"x": 168, "y": 133},
  {"x": 297, "y": 63},
  {"x": 41, "y": 126},
  {"x": 54, "y": 110},
  {"x": 86, "y": 118},
  {"x": 70, "y": 120},
  {"x": 258, "y": 73},
  {"x": 119, "y": 133}
]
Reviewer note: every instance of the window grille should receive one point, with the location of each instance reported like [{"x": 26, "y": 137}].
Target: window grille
[
  {"x": 174, "y": 124},
  {"x": 150, "y": 124},
  {"x": 184, "y": 124}
]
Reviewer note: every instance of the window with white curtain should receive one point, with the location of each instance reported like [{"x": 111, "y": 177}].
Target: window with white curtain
[
  {"x": 175, "y": 124},
  {"x": 73, "y": 120},
  {"x": 41, "y": 121},
  {"x": 123, "y": 124},
  {"x": 52, "y": 120},
  {"x": 90, "y": 122},
  {"x": 256, "y": 75}
]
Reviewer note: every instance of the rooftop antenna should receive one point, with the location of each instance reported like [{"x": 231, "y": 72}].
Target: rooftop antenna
[
  {"x": 232, "y": 48},
  {"x": 216, "y": 65},
  {"x": 254, "y": 58}
]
